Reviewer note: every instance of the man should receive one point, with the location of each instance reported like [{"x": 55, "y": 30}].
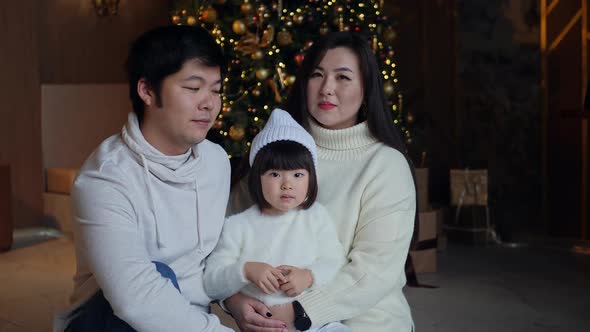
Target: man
[{"x": 149, "y": 203}]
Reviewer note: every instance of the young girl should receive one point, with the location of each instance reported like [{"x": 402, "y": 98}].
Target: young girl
[{"x": 285, "y": 244}]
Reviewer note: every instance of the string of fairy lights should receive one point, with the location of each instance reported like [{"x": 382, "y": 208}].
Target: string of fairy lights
[{"x": 267, "y": 41}]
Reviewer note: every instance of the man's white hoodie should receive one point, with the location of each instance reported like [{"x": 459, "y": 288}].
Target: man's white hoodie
[{"x": 134, "y": 205}]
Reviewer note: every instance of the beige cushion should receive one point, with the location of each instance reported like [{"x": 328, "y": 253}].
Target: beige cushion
[{"x": 61, "y": 180}]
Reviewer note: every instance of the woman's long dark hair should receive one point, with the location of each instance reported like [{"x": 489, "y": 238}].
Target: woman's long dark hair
[{"x": 373, "y": 110}]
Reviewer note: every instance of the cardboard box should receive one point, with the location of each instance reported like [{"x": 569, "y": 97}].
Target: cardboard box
[
  {"x": 59, "y": 208},
  {"x": 469, "y": 187},
  {"x": 61, "y": 180},
  {"x": 428, "y": 223},
  {"x": 422, "y": 187},
  {"x": 424, "y": 260}
]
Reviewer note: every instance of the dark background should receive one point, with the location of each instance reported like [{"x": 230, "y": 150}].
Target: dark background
[{"x": 486, "y": 87}]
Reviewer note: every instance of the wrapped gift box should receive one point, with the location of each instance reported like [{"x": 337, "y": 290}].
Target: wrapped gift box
[
  {"x": 470, "y": 222},
  {"x": 424, "y": 260},
  {"x": 469, "y": 187},
  {"x": 61, "y": 180},
  {"x": 424, "y": 257},
  {"x": 428, "y": 223},
  {"x": 422, "y": 187}
]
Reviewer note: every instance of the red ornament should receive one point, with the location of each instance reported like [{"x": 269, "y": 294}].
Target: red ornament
[{"x": 299, "y": 58}]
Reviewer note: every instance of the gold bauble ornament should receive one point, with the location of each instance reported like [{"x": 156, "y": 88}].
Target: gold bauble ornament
[
  {"x": 388, "y": 89},
  {"x": 262, "y": 74},
  {"x": 225, "y": 109},
  {"x": 262, "y": 9},
  {"x": 209, "y": 15},
  {"x": 239, "y": 27},
  {"x": 191, "y": 20},
  {"x": 289, "y": 23},
  {"x": 298, "y": 19},
  {"x": 257, "y": 55},
  {"x": 246, "y": 8},
  {"x": 256, "y": 92},
  {"x": 175, "y": 19},
  {"x": 290, "y": 80},
  {"x": 236, "y": 133},
  {"x": 284, "y": 38},
  {"x": 218, "y": 124}
]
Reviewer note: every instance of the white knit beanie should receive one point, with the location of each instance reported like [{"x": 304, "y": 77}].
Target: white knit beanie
[{"x": 282, "y": 127}]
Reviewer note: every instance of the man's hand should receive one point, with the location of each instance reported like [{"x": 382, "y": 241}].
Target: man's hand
[
  {"x": 252, "y": 315},
  {"x": 297, "y": 280},
  {"x": 264, "y": 276}
]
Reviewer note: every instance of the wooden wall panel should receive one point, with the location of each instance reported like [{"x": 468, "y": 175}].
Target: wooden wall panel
[
  {"x": 77, "y": 117},
  {"x": 77, "y": 46},
  {"x": 55, "y": 41},
  {"x": 564, "y": 49},
  {"x": 20, "y": 120},
  {"x": 425, "y": 54}
]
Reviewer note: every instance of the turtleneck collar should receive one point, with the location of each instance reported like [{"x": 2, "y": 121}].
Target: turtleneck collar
[
  {"x": 351, "y": 138},
  {"x": 182, "y": 169},
  {"x": 178, "y": 169}
]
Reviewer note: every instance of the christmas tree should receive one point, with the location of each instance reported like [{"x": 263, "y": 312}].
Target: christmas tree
[{"x": 266, "y": 42}]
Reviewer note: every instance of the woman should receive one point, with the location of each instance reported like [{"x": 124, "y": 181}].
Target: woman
[{"x": 365, "y": 182}]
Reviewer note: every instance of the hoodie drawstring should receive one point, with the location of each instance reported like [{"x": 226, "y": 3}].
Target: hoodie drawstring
[
  {"x": 148, "y": 184},
  {"x": 198, "y": 219}
]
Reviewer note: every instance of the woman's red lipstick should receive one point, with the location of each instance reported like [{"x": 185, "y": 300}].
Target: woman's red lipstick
[{"x": 326, "y": 106}]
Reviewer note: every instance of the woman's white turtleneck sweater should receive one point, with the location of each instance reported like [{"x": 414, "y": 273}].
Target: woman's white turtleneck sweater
[
  {"x": 134, "y": 205},
  {"x": 368, "y": 190}
]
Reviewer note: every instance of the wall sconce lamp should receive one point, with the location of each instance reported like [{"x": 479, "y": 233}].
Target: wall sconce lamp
[{"x": 106, "y": 7}]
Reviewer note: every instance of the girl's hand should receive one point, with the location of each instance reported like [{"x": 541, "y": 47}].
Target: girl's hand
[
  {"x": 264, "y": 276},
  {"x": 298, "y": 280}
]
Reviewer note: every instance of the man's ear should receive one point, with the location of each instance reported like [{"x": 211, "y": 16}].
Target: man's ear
[{"x": 145, "y": 92}]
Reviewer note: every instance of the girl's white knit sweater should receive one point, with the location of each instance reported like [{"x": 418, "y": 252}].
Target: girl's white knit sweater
[{"x": 302, "y": 238}]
